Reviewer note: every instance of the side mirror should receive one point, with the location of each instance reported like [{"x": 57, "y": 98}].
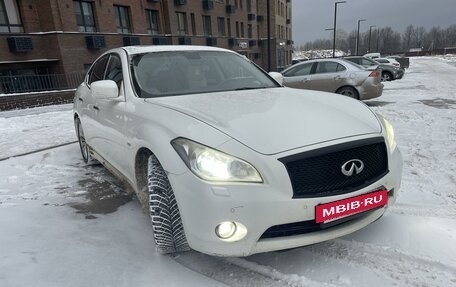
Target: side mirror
[
  {"x": 277, "y": 76},
  {"x": 105, "y": 89}
]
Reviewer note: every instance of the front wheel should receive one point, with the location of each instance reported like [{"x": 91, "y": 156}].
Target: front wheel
[
  {"x": 167, "y": 225},
  {"x": 82, "y": 142},
  {"x": 349, "y": 92}
]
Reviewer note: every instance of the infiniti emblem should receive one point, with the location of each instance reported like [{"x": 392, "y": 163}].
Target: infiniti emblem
[{"x": 352, "y": 167}]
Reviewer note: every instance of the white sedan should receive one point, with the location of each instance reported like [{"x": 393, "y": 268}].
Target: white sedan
[
  {"x": 226, "y": 160},
  {"x": 388, "y": 61}
]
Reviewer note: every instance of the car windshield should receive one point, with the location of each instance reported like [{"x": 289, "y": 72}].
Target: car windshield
[{"x": 159, "y": 74}]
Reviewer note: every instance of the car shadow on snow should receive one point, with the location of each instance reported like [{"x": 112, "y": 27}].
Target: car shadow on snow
[
  {"x": 377, "y": 103},
  {"x": 417, "y": 87}
]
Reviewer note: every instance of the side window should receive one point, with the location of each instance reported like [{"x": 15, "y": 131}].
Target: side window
[
  {"x": 340, "y": 68},
  {"x": 326, "y": 67},
  {"x": 366, "y": 62},
  {"x": 114, "y": 70},
  {"x": 98, "y": 69},
  {"x": 300, "y": 70}
]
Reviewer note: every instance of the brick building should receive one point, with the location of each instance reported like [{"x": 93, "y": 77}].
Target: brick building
[{"x": 41, "y": 37}]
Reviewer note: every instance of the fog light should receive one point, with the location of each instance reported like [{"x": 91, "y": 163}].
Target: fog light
[
  {"x": 225, "y": 229},
  {"x": 230, "y": 231}
]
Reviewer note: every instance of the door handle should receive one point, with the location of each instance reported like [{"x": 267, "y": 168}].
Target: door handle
[
  {"x": 96, "y": 108},
  {"x": 337, "y": 77},
  {"x": 304, "y": 80},
  {"x": 80, "y": 99}
]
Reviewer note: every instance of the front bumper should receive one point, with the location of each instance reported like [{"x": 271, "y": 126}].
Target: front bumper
[{"x": 260, "y": 206}]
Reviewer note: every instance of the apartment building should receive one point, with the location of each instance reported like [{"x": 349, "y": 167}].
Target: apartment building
[{"x": 42, "y": 37}]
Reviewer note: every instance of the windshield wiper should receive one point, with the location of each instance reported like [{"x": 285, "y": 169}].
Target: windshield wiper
[{"x": 249, "y": 88}]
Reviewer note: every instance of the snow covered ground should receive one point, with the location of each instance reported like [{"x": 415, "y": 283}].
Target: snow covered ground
[
  {"x": 65, "y": 224},
  {"x": 22, "y": 131}
]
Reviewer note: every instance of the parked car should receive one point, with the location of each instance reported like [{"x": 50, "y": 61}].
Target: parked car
[
  {"x": 388, "y": 61},
  {"x": 404, "y": 61},
  {"x": 335, "y": 76},
  {"x": 372, "y": 55},
  {"x": 295, "y": 61},
  {"x": 388, "y": 72},
  {"x": 225, "y": 159}
]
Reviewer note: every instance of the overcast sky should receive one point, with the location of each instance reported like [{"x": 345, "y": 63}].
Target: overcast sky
[{"x": 311, "y": 17}]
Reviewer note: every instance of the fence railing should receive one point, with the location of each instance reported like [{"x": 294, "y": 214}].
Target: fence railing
[{"x": 39, "y": 83}]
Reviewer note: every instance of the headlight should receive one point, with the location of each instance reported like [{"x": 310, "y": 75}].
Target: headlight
[
  {"x": 213, "y": 165},
  {"x": 389, "y": 131}
]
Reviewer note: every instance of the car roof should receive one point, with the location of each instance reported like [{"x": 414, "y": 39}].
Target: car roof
[
  {"x": 132, "y": 50},
  {"x": 337, "y": 60}
]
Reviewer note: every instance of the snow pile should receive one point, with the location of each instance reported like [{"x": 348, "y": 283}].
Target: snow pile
[
  {"x": 316, "y": 54},
  {"x": 450, "y": 58}
]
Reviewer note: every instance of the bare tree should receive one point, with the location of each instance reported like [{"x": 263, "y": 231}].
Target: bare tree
[
  {"x": 386, "y": 40},
  {"x": 418, "y": 37},
  {"x": 433, "y": 39},
  {"x": 407, "y": 37},
  {"x": 450, "y": 36}
]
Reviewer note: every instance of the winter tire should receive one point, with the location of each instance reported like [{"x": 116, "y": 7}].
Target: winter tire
[
  {"x": 82, "y": 142},
  {"x": 167, "y": 225},
  {"x": 386, "y": 77},
  {"x": 349, "y": 92}
]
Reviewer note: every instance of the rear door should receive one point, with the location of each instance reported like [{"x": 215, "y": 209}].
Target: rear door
[
  {"x": 299, "y": 76},
  {"x": 329, "y": 76}
]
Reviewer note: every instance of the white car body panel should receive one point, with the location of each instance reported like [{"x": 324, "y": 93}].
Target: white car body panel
[
  {"x": 258, "y": 126},
  {"x": 251, "y": 116}
]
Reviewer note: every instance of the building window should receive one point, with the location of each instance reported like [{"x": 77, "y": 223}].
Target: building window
[
  {"x": 192, "y": 19},
  {"x": 228, "y": 23},
  {"x": 207, "y": 28},
  {"x": 122, "y": 19},
  {"x": 237, "y": 29},
  {"x": 249, "y": 30},
  {"x": 84, "y": 16},
  {"x": 221, "y": 26},
  {"x": 152, "y": 22},
  {"x": 10, "y": 19},
  {"x": 249, "y": 6},
  {"x": 181, "y": 23},
  {"x": 242, "y": 29}
]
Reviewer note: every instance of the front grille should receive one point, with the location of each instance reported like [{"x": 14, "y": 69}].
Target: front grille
[
  {"x": 305, "y": 227},
  {"x": 318, "y": 173}
]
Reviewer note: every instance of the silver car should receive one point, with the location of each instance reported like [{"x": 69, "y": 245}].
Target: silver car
[{"x": 336, "y": 76}]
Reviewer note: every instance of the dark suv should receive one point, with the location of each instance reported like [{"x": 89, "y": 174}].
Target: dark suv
[{"x": 389, "y": 73}]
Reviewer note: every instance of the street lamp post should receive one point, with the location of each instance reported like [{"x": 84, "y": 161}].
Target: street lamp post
[
  {"x": 334, "y": 29},
  {"x": 378, "y": 37},
  {"x": 357, "y": 37},
  {"x": 370, "y": 32}
]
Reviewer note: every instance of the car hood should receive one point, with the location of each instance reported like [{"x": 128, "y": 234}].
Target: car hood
[{"x": 274, "y": 120}]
